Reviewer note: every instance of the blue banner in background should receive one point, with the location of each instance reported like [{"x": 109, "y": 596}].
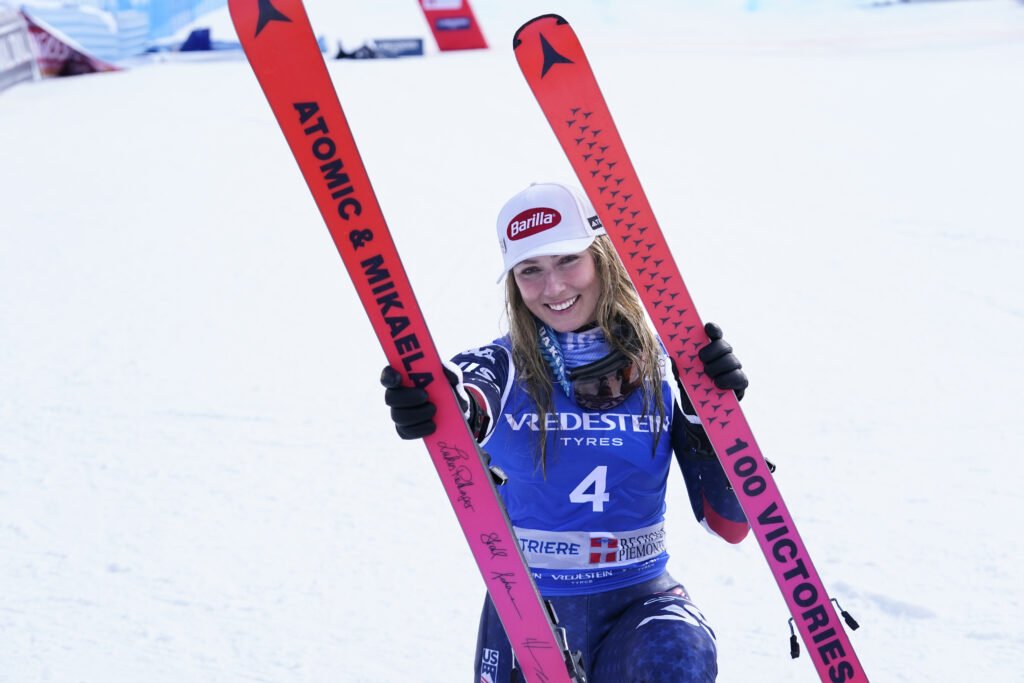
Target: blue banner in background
[
  {"x": 167, "y": 17},
  {"x": 117, "y": 29}
]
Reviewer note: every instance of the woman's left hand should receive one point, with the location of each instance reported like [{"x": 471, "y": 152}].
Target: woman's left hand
[{"x": 720, "y": 364}]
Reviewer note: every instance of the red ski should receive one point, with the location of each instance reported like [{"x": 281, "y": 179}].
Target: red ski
[
  {"x": 557, "y": 70},
  {"x": 280, "y": 45}
]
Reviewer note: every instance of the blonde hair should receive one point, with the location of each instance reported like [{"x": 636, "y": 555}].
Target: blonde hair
[{"x": 617, "y": 305}]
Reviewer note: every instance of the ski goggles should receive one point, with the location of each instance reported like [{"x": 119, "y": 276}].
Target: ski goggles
[{"x": 606, "y": 383}]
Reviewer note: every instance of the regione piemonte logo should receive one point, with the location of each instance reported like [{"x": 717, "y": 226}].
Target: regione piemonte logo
[
  {"x": 532, "y": 221},
  {"x": 603, "y": 550}
]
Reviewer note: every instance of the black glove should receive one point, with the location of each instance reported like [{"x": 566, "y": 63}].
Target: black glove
[
  {"x": 411, "y": 408},
  {"x": 720, "y": 364}
]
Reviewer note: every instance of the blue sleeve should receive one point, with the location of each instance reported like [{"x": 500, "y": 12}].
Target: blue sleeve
[
  {"x": 713, "y": 501},
  {"x": 485, "y": 373}
]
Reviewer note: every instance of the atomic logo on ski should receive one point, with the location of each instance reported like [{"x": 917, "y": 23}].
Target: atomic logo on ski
[
  {"x": 268, "y": 13},
  {"x": 551, "y": 56}
]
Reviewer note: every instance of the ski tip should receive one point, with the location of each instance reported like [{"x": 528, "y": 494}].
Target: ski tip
[{"x": 516, "y": 42}]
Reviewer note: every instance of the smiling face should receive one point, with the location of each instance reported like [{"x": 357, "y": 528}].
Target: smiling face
[{"x": 562, "y": 291}]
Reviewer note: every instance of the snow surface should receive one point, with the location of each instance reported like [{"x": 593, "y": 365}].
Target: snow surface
[{"x": 198, "y": 479}]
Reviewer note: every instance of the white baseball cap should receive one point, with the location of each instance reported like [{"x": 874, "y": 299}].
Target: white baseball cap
[{"x": 546, "y": 219}]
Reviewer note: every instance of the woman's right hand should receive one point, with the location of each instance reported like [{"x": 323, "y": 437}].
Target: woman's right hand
[
  {"x": 413, "y": 412},
  {"x": 411, "y": 408}
]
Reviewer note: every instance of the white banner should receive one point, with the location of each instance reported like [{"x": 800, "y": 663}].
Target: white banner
[{"x": 589, "y": 549}]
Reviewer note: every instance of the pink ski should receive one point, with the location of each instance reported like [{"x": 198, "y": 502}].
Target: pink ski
[
  {"x": 557, "y": 70},
  {"x": 283, "y": 52}
]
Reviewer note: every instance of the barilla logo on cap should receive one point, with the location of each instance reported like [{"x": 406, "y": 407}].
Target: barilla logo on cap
[{"x": 532, "y": 221}]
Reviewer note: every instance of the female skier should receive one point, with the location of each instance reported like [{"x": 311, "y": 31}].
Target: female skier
[{"x": 579, "y": 405}]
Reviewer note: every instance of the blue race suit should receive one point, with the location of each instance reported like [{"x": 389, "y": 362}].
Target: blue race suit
[{"x": 590, "y": 523}]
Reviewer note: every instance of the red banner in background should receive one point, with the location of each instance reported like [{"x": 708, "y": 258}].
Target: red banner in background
[{"x": 453, "y": 24}]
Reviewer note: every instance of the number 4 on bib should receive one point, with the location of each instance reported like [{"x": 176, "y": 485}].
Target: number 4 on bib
[{"x": 596, "y": 480}]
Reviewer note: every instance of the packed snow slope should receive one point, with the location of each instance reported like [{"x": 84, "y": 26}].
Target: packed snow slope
[{"x": 198, "y": 478}]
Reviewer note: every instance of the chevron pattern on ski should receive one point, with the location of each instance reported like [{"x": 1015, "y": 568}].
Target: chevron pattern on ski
[{"x": 600, "y": 152}]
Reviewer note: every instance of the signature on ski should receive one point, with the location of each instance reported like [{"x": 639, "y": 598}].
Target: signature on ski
[
  {"x": 461, "y": 474},
  {"x": 532, "y": 644},
  {"x": 493, "y": 543},
  {"x": 506, "y": 580}
]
